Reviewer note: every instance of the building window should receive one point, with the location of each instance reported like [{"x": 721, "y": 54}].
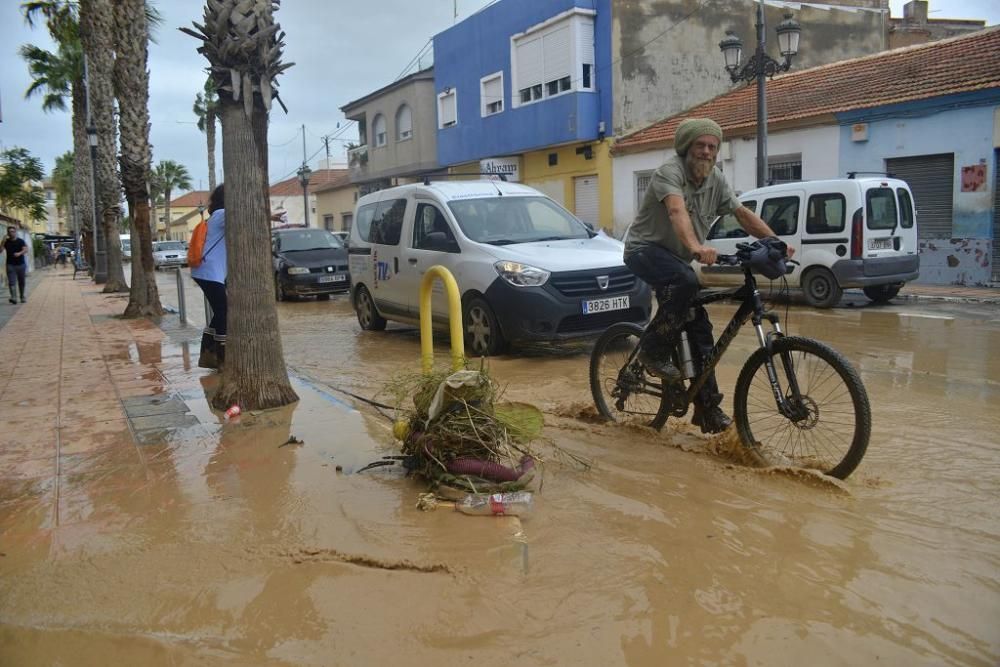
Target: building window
[
  {"x": 447, "y": 108},
  {"x": 328, "y": 222},
  {"x": 553, "y": 58},
  {"x": 378, "y": 128},
  {"x": 642, "y": 180},
  {"x": 784, "y": 169},
  {"x": 404, "y": 123},
  {"x": 491, "y": 94}
]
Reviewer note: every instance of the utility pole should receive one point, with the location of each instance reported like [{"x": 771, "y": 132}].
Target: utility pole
[{"x": 304, "y": 173}]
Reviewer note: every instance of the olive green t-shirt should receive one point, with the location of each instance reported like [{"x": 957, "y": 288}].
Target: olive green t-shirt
[{"x": 652, "y": 223}]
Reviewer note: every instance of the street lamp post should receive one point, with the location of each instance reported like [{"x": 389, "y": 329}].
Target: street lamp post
[
  {"x": 304, "y": 173},
  {"x": 100, "y": 251},
  {"x": 759, "y": 67}
]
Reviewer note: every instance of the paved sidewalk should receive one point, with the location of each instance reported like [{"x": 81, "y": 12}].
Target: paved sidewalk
[{"x": 951, "y": 293}]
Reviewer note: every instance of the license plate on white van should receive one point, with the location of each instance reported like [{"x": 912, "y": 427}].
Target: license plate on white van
[
  {"x": 880, "y": 244},
  {"x": 336, "y": 278},
  {"x": 604, "y": 305}
]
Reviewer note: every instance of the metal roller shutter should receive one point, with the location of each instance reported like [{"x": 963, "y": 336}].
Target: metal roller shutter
[
  {"x": 587, "y": 208},
  {"x": 932, "y": 180}
]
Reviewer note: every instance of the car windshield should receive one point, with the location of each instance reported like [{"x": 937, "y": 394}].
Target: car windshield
[
  {"x": 506, "y": 220},
  {"x": 169, "y": 245},
  {"x": 308, "y": 239}
]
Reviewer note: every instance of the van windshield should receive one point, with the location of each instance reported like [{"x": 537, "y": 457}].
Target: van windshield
[{"x": 507, "y": 220}]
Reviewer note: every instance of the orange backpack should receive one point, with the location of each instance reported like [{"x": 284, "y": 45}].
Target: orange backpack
[{"x": 197, "y": 246}]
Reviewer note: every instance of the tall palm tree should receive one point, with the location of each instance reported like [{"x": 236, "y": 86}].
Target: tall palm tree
[
  {"x": 97, "y": 36},
  {"x": 59, "y": 75},
  {"x": 170, "y": 176},
  {"x": 62, "y": 181},
  {"x": 206, "y": 108},
  {"x": 132, "y": 91},
  {"x": 243, "y": 45}
]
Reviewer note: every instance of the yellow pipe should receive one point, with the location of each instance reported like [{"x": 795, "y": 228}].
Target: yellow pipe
[{"x": 454, "y": 319}]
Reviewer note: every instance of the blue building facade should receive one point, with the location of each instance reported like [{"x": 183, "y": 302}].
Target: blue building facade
[
  {"x": 947, "y": 149},
  {"x": 549, "y": 113}
]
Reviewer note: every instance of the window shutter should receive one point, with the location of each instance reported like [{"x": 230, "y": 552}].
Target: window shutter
[
  {"x": 492, "y": 91},
  {"x": 529, "y": 63},
  {"x": 404, "y": 122},
  {"x": 931, "y": 179},
  {"x": 585, "y": 40},
  {"x": 448, "y": 115},
  {"x": 558, "y": 54}
]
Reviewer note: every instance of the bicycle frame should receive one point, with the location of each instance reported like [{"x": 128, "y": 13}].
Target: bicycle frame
[{"x": 751, "y": 308}]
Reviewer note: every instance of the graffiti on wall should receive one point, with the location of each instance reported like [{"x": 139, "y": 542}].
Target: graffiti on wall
[{"x": 974, "y": 178}]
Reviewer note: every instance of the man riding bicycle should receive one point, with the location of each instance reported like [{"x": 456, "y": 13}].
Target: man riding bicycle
[{"x": 683, "y": 198}]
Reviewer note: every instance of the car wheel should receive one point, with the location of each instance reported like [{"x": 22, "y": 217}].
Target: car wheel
[
  {"x": 368, "y": 316},
  {"x": 882, "y": 293},
  {"x": 821, "y": 288},
  {"x": 482, "y": 330},
  {"x": 279, "y": 291}
]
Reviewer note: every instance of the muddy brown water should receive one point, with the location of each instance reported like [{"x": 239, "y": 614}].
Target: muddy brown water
[{"x": 227, "y": 549}]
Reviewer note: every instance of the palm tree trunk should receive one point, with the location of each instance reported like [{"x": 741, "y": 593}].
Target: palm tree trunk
[
  {"x": 83, "y": 175},
  {"x": 166, "y": 213},
  {"x": 210, "y": 136},
  {"x": 97, "y": 35},
  {"x": 254, "y": 376},
  {"x": 132, "y": 86}
]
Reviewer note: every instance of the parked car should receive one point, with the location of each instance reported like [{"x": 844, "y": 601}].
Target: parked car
[
  {"x": 126, "y": 240},
  {"x": 169, "y": 253},
  {"x": 848, "y": 232},
  {"x": 527, "y": 269},
  {"x": 343, "y": 237},
  {"x": 308, "y": 262}
]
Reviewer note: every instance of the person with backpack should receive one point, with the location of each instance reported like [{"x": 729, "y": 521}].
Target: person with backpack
[{"x": 207, "y": 258}]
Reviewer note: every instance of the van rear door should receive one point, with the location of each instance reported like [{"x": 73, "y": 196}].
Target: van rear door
[{"x": 885, "y": 234}]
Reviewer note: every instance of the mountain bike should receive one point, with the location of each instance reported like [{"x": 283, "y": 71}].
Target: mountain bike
[{"x": 797, "y": 401}]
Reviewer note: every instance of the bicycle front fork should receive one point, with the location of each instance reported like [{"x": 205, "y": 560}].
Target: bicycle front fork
[{"x": 789, "y": 402}]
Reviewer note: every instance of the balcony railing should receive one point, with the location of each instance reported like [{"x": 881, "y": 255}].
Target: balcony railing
[{"x": 358, "y": 157}]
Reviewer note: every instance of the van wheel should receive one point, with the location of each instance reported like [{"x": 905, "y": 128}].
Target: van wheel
[
  {"x": 882, "y": 293},
  {"x": 821, "y": 288},
  {"x": 482, "y": 330},
  {"x": 368, "y": 316}
]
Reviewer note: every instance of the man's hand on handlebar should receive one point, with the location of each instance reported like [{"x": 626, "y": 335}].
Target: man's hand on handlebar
[{"x": 706, "y": 254}]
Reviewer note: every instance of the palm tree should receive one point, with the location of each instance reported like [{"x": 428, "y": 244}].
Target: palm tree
[
  {"x": 206, "y": 107},
  {"x": 59, "y": 75},
  {"x": 132, "y": 91},
  {"x": 243, "y": 45},
  {"x": 20, "y": 172},
  {"x": 62, "y": 181},
  {"x": 97, "y": 36},
  {"x": 170, "y": 176}
]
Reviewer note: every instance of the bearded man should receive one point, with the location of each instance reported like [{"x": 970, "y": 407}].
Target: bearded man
[{"x": 683, "y": 198}]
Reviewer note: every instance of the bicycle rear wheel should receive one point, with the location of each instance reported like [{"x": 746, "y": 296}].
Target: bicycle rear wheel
[
  {"x": 622, "y": 389},
  {"x": 829, "y": 425}
]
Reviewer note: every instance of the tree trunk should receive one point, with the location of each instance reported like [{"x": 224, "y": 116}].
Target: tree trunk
[
  {"x": 210, "y": 136},
  {"x": 83, "y": 173},
  {"x": 166, "y": 214},
  {"x": 96, "y": 33},
  {"x": 132, "y": 86},
  {"x": 254, "y": 375}
]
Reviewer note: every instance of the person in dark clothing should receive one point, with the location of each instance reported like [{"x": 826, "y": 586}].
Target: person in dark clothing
[
  {"x": 684, "y": 196},
  {"x": 211, "y": 278},
  {"x": 15, "y": 249}
]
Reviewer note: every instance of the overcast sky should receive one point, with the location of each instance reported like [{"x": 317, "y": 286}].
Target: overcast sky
[{"x": 342, "y": 50}]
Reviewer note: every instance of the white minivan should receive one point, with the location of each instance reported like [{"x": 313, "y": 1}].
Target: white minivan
[
  {"x": 527, "y": 269},
  {"x": 848, "y": 232}
]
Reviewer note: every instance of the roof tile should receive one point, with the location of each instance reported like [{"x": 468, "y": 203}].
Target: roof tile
[
  {"x": 319, "y": 178},
  {"x": 957, "y": 65}
]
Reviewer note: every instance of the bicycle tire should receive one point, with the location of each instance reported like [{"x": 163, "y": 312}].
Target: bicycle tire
[
  {"x": 600, "y": 377},
  {"x": 807, "y": 355}
]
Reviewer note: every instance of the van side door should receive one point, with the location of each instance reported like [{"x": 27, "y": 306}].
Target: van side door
[
  {"x": 826, "y": 238},
  {"x": 432, "y": 241},
  {"x": 784, "y": 214},
  {"x": 725, "y": 233}
]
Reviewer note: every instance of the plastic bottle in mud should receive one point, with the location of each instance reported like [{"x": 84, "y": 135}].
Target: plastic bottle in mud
[{"x": 515, "y": 503}]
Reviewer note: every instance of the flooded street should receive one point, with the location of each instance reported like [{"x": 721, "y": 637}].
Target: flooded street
[{"x": 224, "y": 547}]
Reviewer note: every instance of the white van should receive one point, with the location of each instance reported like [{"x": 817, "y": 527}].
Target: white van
[
  {"x": 126, "y": 241},
  {"x": 849, "y": 232},
  {"x": 527, "y": 269}
]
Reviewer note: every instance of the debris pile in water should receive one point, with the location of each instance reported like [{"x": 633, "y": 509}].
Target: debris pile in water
[{"x": 462, "y": 437}]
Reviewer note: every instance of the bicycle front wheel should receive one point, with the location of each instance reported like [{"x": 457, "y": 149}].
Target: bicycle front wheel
[
  {"x": 827, "y": 422},
  {"x": 622, "y": 389}
]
